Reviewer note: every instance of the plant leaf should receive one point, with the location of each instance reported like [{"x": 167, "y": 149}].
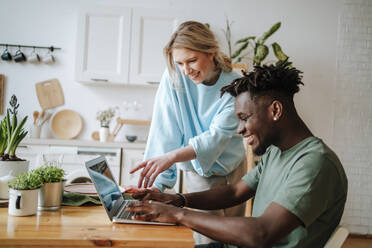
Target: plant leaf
[
  {"x": 267, "y": 34},
  {"x": 245, "y": 39},
  {"x": 278, "y": 52},
  {"x": 241, "y": 48}
]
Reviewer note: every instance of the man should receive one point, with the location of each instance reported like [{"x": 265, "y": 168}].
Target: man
[{"x": 299, "y": 184}]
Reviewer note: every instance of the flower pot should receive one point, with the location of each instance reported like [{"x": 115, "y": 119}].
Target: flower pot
[
  {"x": 103, "y": 134},
  {"x": 10, "y": 169},
  {"x": 50, "y": 196},
  {"x": 22, "y": 202}
]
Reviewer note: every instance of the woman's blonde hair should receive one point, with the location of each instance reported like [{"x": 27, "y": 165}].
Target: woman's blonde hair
[{"x": 198, "y": 37}]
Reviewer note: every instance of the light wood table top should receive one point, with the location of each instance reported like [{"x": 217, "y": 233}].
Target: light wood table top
[{"x": 86, "y": 227}]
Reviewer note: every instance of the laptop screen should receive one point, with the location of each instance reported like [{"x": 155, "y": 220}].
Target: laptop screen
[{"x": 105, "y": 183}]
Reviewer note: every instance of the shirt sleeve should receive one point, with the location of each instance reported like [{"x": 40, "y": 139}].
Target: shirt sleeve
[
  {"x": 308, "y": 189},
  {"x": 164, "y": 135},
  {"x": 253, "y": 176},
  {"x": 209, "y": 145}
]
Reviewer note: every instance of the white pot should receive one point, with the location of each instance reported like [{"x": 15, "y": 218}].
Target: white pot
[
  {"x": 8, "y": 171},
  {"x": 23, "y": 202},
  {"x": 103, "y": 134}
]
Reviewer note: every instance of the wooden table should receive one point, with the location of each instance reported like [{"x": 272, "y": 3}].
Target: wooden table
[{"x": 85, "y": 227}]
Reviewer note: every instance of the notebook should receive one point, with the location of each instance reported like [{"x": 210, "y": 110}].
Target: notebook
[{"x": 110, "y": 195}]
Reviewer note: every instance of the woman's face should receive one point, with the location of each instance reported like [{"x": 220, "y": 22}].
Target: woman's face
[{"x": 195, "y": 65}]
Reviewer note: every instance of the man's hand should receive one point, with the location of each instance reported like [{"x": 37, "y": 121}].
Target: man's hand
[
  {"x": 153, "y": 194},
  {"x": 152, "y": 168},
  {"x": 155, "y": 211}
]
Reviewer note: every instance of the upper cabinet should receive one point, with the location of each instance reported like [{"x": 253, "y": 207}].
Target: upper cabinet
[
  {"x": 151, "y": 30},
  {"x": 103, "y": 44},
  {"x": 120, "y": 45}
]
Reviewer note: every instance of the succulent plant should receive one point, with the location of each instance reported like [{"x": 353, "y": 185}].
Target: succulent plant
[
  {"x": 11, "y": 132},
  {"x": 27, "y": 181},
  {"x": 50, "y": 174}
]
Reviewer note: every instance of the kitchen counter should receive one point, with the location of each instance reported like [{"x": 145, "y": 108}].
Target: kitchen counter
[
  {"x": 86, "y": 143},
  {"x": 86, "y": 227}
]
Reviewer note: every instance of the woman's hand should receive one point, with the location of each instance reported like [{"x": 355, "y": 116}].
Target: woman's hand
[
  {"x": 152, "y": 168},
  {"x": 155, "y": 211}
]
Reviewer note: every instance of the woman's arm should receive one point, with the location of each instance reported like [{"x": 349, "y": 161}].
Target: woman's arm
[{"x": 154, "y": 166}]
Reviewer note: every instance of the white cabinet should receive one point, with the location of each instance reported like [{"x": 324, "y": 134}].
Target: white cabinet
[
  {"x": 131, "y": 158},
  {"x": 102, "y": 52},
  {"x": 151, "y": 30},
  {"x": 115, "y": 47}
]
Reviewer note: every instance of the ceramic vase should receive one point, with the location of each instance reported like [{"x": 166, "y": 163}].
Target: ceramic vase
[
  {"x": 103, "y": 134},
  {"x": 22, "y": 202}
]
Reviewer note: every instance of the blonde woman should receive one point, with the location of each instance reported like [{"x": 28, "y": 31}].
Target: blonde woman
[{"x": 192, "y": 125}]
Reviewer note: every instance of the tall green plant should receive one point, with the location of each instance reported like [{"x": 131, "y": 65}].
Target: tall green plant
[
  {"x": 11, "y": 132},
  {"x": 260, "y": 50}
]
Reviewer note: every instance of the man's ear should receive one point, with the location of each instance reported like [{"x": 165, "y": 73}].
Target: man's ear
[{"x": 276, "y": 110}]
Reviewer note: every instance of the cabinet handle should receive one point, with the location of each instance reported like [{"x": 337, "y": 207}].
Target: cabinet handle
[
  {"x": 99, "y": 79},
  {"x": 153, "y": 82}
]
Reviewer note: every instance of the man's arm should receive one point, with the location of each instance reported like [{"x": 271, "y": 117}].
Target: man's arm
[
  {"x": 220, "y": 197},
  {"x": 263, "y": 231},
  {"x": 275, "y": 223}
]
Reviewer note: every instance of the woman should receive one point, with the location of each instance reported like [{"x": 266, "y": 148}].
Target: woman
[{"x": 192, "y": 126}]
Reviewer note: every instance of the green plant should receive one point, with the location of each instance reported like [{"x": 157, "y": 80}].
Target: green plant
[
  {"x": 27, "y": 181},
  {"x": 11, "y": 132},
  {"x": 105, "y": 116},
  {"x": 50, "y": 174},
  {"x": 260, "y": 50}
]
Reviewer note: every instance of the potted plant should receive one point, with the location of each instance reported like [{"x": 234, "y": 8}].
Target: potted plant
[
  {"x": 23, "y": 194},
  {"x": 105, "y": 117},
  {"x": 254, "y": 50},
  {"x": 50, "y": 196},
  {"x": 11, "y": 134}
]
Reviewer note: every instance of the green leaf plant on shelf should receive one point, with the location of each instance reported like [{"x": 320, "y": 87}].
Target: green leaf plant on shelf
[
  {"x": 11, "y": 132},
  {"x": 255, "y": 50}
]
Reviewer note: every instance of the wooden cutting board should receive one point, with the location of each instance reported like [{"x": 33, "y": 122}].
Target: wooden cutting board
[
  {"x": 2, "y": 93},
  {"x": 50, "y": 94}
]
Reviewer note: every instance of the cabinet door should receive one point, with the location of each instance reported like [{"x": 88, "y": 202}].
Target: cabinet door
[
  {"x": 131, "y": 158},
  {"x": 151, "y": 30},
  {"x": 102, "y": 53}
]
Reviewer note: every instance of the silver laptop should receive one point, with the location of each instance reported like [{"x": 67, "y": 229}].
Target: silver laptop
[{"x": 110, "y": 195}]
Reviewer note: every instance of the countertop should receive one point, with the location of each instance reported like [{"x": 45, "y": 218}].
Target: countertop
[
  {"x": 86, "y": 227},
  {"x": 85, "y": 143}
]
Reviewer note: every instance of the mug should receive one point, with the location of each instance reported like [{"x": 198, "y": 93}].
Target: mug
[
  {"x": 23, "y": 202},
  {"x": 34, "y": 57},
  {"x": 19, "y": 56},
  {"x": 49, "y": 58},
  {"x": 6, "y": 55}
]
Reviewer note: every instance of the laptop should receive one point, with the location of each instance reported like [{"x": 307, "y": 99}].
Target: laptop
[{"x": 110, "y": 194}]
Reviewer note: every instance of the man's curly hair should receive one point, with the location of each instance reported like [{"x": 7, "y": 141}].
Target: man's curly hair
[{"x": 272, "y": 80}]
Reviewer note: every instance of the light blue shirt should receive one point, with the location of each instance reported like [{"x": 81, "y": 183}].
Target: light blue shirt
[{"x": 195, "y": 115}]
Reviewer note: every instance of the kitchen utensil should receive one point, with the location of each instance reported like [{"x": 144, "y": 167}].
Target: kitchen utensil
[
  {"x": 6, "y": 56},
  {"x": 2, "y": 90},
  {"x": 95, "y": 135},
  {"x": 45, "y": 117},
  {"x": 36, "y": 116},
  {"x": 116, "y": 130},
  {"x": 49, "y": 94},
  {"x": 66, "y": 124},
  {"x": 19, "y": 56},
  {"x": 131, "y": 138}
]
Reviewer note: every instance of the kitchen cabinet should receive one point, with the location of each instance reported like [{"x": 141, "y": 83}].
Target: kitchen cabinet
[
  {"x": 72, "y": 159},
  {"x": 103, "y": 39},
  {"x": 122, "y": 45},
  {"x": 151, "y": 31},
  {"x": 131, "y": 158}
]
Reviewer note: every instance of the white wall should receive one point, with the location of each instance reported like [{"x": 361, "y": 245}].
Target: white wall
[{"x": 309, "y": 35}]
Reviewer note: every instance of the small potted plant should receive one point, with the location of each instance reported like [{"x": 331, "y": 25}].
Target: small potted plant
[
  {"x": 23, "y": 194},
  {"x": 11, "y": 134},
  {"x": 51, "y": 192},
  {"x": 105, "y": 117}
]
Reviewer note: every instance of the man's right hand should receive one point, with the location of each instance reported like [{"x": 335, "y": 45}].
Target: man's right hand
[{"x": 152, "y": 194}]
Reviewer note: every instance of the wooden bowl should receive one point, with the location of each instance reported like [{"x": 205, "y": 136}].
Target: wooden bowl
[{"x": 66, "y": 124}]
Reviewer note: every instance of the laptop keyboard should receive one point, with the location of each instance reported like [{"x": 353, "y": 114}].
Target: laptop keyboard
[{"x": 124, "y": 214}]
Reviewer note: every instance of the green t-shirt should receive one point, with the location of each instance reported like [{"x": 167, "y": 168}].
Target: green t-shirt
[{"x": 309, "y": 181}]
